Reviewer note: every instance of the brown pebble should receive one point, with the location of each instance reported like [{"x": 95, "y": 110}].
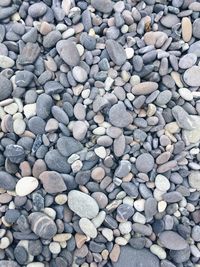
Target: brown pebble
[
  {"x": 98, "y": 174},
  {"x": 80, "y": 240},
  {"x": 25, "y": 168},
  {"x": 114, "y": 254},
  {"x": 39, "y": 167},
  {"x": 163, "y": 158}
]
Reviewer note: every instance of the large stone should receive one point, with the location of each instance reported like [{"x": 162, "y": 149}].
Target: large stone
[
  {"x": 68, "y": 146},
  {"x": 172, "y": 240},
  {"x": 136, "y": 258},
  {"x": 26, "y": 185},
  {"x": 193, "y": 135},
  {"x": 195, "y": 48},
  {"x": 5, "y": 87},
  {"x": 182, "y": 118},
  {"x": 192, "y": 76},
  {"x": 144, "y": 162},
  {"x": 82, "y": 204},
  {"x": 104, "y": 6},
  {"x": 194, "y": 180},
  {"x": 68, "y": 52},
  {"x": 42, "y": 225},
  {"x": 56, "y": 162}
]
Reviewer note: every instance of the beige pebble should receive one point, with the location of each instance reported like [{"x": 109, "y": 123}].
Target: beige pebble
[
  {"x": 88, "y": 227},
  {"x": 30, "y": 110},
  {"x": 162, "y": 205},
  {"x": 6, "y": 62},
  {"x": 98, "y": 173},
  {"x": 26, "y": 185},
  {"x": 11, "y": 108},
  {"x": 186, "y": 29},
  {"x": 80, "y": 240},
  {"x": 4, "y": 242},
  {"x": 62, "y": 237},
  {"x": 61, "y": 199},
  {"x": 19, "y": 126},
  {"x": 114, "y": 255},
  {"x": 100, "y": 152}
]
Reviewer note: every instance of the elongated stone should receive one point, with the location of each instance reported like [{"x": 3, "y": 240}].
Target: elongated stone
[{"x": 144, "y": 88}]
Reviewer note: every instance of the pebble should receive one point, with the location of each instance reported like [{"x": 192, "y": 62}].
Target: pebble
[
  {"x": 194, "y": 180},
  {"x": 6, "y": 62},
  {"x": 68, "y": 52},
  {"x": 104, "y": 6},
  {"x": 187, "y": 61},
  {"x": 116, "y": 52},
  {"x": 134, "y": 257},
  {"x": 26, "y": 185},
  {"x": 88, "y": 227},
  {"x": 42, "y": 225},
  {"x": 37, "y": 10},
  {"x": 82, "y": 204},
  {"x": 5, "y": 87},
  {"x": 118, "y": 115},
  {"x": 56, "y": 162},
  {"x": 186, "y": 29},
  {"x": 144, "y": 163},
  {"x": 52, "y": 182},
  {"x": 191, "y": 75},
  {"x": 7, "y": 181},
  {"x": 195, "y": 28},
  {"x": 79, "y": 74},
  {"x": 158, "y": 251},
  {"x": 68, "y": 146},
  {"x": 79, "y": 130},
  {"x": 172, "y": 240},
  {"x": 144, "y": 88},
  {"x": 162, "y": 183},
  {"x": 19, "y": 126},
  {"x": 186, "y": 94}
]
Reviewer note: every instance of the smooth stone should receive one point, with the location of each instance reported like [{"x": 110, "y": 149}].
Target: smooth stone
[
  {"x": 79, "y": 74},
  {"x": 51, "y": 39},
  {"x": 79, "y": 130},
  {"x": 88, "y": 227},
  {"x": 144, "y": 88},
  {"x": 185, "y": 94},
  {"x": 144, "y": 163},
  {"x": 169, "y": 20},
  {"x": 82, "y": 204},
  {"x": 194, "y": 180},
  {"x": 68, "y": 52},
  {"x": 118, "y": 115},
  {"x": 150, "y": 208},
  {"x": 21, "y": 254},
  {"x": 192, "y": 76},
  {"x": 56, "y": 162},
  {"x": 79, "y": 111},
  {"x": 187, "y": 61},
  {"x": 164, "y": 97},
  {"x": 37, "y": 10},
  {"x": 68, "y": 146},
  {"x": 5, "y": 87},
  {"x": 53, "y": 87},
  {"x": 34, "y": 247},
  {"x": 42, "y": 225},
  {"x": 182, "y": 118},
  {"x": 7, "y": 181},
  {"x": 116, "y": 52},
  {"x": 104, "y": 6},
  {"x": 180, "y": 256},
  {"x": 156, "y": 39},
  {"x": 11, "y": 216},
  {"x": 172, "y": 197},
  {"x": 193, "y": 135},
  {"x": 19, "y": 126},
  {"x": 36, "y": 125},
  {"x": 162, "y": 183},
  {"x": 130, "y": 189},
  {"x": 136, "y": 258},
  {"x": 196, "y": 28},
  {"x": 29, "y": 54},
  {"x": 195, "y": 48},
  {"x": 14, "y": 153},
  {"x": 52, "y": 182},
  {"x": 172, "y": 240},
  {"x": 186, "y": 29},
  {"x": 44, "y": 104},
  {"x": 23, "y": 78},
  {"x": 124, "y": 212},
  {"x": 123, "y": 169},
  {"x": 6, "y": 62},
  {"x": 60, "y": 115},
  {"x": 26, "y": 185},
  {"x": 158, "y": 251},
  {"x": 9, "y": 263}
]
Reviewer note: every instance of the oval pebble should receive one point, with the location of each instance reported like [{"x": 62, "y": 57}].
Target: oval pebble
[{"x": 26, "y": 185}]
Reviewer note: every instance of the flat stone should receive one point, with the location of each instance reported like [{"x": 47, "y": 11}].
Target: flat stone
[
  {"x": 193, "y": 136},
  {"x": 82, "y": 204},
  {"x": 21, "y": 254},
  {"x": 116, "y": 52},
  {"x": 195, "y": 48},
  {"x": 118, "y": 115},
  {"x": 123, "y": 169},
  {"x": 42, "y": 225},
  {"x": 144, "y": 163},
  {"x": 172, "y": 240},
  {"x": 180, "y": 256},
  {"x": 52, "y": 182},
  {"x": 185, "y": 94},
  {"x": 37, "y": 10},
  {"x": 79, "y": 111},
  {"x": 191, "y": 76},
  {"x": 8, "y": 263},
  {"x": 56, "y": 162},
  {"x": 172, "y": 197},
  {"x": 104, "y": 6},
  {"x": 60, "y": 115},
  {"x": 135, "y": 258},
  {"x": 68, "y": 52},
  {"x": 19, "y": 126},
  {"x": 5, "y": 87},
  {"x": 144, "y": 88},
  {"x": 51, "y": 39},
  {"x": 194, "y": 180},
  {"x": 36, "y": 125},
  {"x": 156, "y": 39},
  {"x": 26, "y": 185},
  {"x": 187, "y": 61},
  {"x": 124, "y": 212},
  {"x": 79, "y": 74},
  {"x": 169, "y": 20},
  {"x": 7, "y": 181},
  {"x": 44, "y": 104},
  {"x": 53, "y": 87},
  {"x": 130, "y": 189},
  {"x": 88, "y": 227}
]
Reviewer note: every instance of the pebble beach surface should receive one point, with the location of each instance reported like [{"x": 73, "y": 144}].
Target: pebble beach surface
[{"x": 99, "y": 133}]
